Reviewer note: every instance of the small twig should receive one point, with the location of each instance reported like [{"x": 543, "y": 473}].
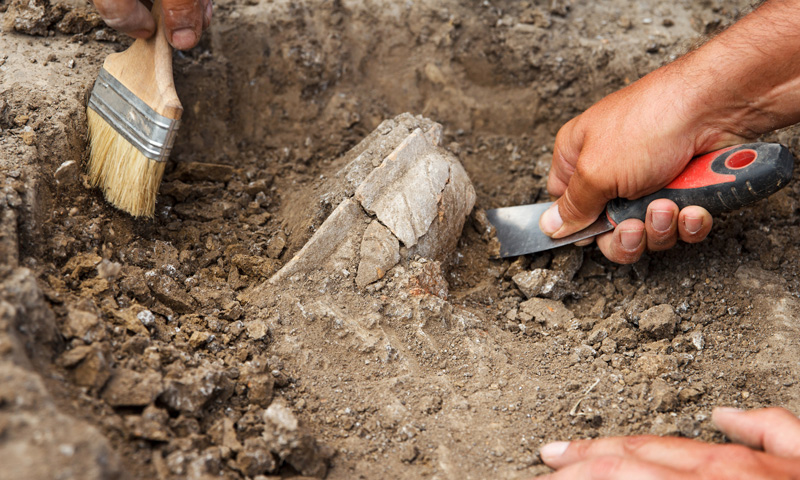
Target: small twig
[{"x": 574, "y": 410}]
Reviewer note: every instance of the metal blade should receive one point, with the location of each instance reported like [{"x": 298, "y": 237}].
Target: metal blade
[{"x": 517, "y": 229}]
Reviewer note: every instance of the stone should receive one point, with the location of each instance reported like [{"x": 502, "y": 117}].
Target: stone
[
  {"x": 129, "y": 388},
  {"x": 333, "y": 246},
  {"x": 380, "y": 251},
  {"x": 253, "y": 265},
  {"x": 93, "y": 371},
  {"x": 541, "y": 282},
  {"x": 132, "y": 318},
  {"x": 255, "y": 458},
  {"x": 108, "y": 270},
  {"x": 81, "y": 263},
  {"x": 83, "y": 325},
  {"x": 403, "y": 191},
  {"x": 199, "y": 339},
  {"x": 150, "y": 425},
  {"x": 223, "y": 433},
  {"x": 195, "y": 389},
  {"x": 289, "y": 443},
  {"x": 616, "y": 328},
  {"x": 67, "y": 174},
  {"x": 275, "y": 245},
  {"x": 659, "y": 321},
  {"x": 665, "y": 398},
  {"x": 567, "y": 260},
  {"x": 397, "y": 179},
  {"x": 256, "y": 329},
  {"x": 551, "y": 313},
  {"x": 169, "y": 292},
  {"x": 260, "y": 389},
  {"x": 690, "y": 394}
]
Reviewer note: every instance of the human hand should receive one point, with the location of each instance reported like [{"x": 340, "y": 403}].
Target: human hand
[
  {"x": 184, "y": 20},
  {"x": 770, "y": 448},
  {"x": 630, "y": 144},
  {"x": 635, "y": 141}
]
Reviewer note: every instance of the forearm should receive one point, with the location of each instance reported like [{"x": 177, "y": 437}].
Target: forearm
[{"x": 746, "y": 81}]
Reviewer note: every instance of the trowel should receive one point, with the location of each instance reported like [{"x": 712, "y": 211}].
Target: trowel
[{"x": 720, "y": 181}]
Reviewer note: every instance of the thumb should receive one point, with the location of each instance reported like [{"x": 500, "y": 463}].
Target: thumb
[
  {"x": 183, "y": 22},
  {"x": 774, "y": 430},
  {"x": 581, "y": 204}
]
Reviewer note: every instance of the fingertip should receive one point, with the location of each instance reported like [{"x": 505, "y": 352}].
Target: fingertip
[
  {"x": 625, "y": 244},
  {"x": 551, "y": 452},
  {"x": 550, "y": 222},
  {"x": 183, "y": 38},
  {"x": 694, "y": 224}
]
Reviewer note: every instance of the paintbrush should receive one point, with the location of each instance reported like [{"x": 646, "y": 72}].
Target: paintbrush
[{"x": 133, "y": 114}]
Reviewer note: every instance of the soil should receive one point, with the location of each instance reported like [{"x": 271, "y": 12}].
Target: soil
[{"x": 162, "y": 350}]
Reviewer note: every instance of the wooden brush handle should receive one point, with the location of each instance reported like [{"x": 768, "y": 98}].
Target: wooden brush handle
[{"x": 146, "y": 70}]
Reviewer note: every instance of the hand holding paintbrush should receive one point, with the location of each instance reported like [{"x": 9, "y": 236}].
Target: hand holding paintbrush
[
  {"x": 133, "y": 115},
  {"x": 184, "y": 20}
]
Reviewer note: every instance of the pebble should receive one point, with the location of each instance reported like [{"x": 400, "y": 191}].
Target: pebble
[{"x": 659, "y": 321}]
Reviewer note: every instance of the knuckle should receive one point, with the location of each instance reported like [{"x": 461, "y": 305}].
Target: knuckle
[{"x": 631, "y": 445}]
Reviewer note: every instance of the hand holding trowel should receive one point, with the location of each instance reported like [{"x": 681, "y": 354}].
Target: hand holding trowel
[{"x": 720, "y": 181}]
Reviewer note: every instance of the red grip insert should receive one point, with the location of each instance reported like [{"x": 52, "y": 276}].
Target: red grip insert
[{"x": 698, "y": 172}]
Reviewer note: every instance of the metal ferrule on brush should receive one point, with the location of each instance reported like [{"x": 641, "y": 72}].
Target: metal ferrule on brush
[{"x": 151, "y": 133}]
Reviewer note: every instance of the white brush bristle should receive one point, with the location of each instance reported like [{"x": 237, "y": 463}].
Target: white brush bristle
[{"x": 129, "y": 180}]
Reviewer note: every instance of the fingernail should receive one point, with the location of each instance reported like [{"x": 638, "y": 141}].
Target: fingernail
[
  {"x": 551, "y": 220},
  {"x": 662, "y": 220},
  {"x": 693, "y": 224},
  {"x": 552, "y": 451},
  {"x": 183, "y": 38},
  {"x": 631, "y": 239}
]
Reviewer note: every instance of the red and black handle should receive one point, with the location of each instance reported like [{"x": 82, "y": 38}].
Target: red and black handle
[{"x": 720, "y": 181}]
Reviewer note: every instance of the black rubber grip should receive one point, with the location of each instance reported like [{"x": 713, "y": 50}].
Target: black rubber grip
[{"x": 720, "y": 181}]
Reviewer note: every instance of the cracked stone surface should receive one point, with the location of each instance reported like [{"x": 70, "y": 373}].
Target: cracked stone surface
[
  {"x": 380, "y": 251},
  {"x": 418, "y": 195}
]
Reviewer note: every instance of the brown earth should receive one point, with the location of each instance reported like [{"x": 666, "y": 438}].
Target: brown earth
[{"x": 154, "y": 348}]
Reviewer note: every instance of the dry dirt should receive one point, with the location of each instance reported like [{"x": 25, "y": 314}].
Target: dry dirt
[{"x": 154, "y": 349}]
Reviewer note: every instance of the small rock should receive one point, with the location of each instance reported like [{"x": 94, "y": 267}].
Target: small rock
[
  {"x": 409, "y": 453},
  {"x": 108, "y": 270},
  {"x": 256, "y": 329},
  {"x": 542, "y": 283},
  {"x": 275, "y": 245},
  {"x": 664, "y": 397},
  {"x": 88, "y": 366},
  {"x": 567, "y": 260},
  {"x": 169, "y": 292},
  {"x": 194, "y": 390},
  {"x": 690, "y": 394},
  {"x": 260, "y": 389},
  {"x": 659, "y": 321},
  {"x": 68, "y": 173},
  {"x": 552, "y": 313},
  {"x": 151, "y": 425},
  {"x": 83, "y": 325},
  {"x": 255, "y": 458},
  {"x": 380, "y": 251},
  {"x": 129, "y": 388},
  {"x": 698, "y": 341},
  {"x": 289, "y": 443},
  {"x": 199, "y": 339}
]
